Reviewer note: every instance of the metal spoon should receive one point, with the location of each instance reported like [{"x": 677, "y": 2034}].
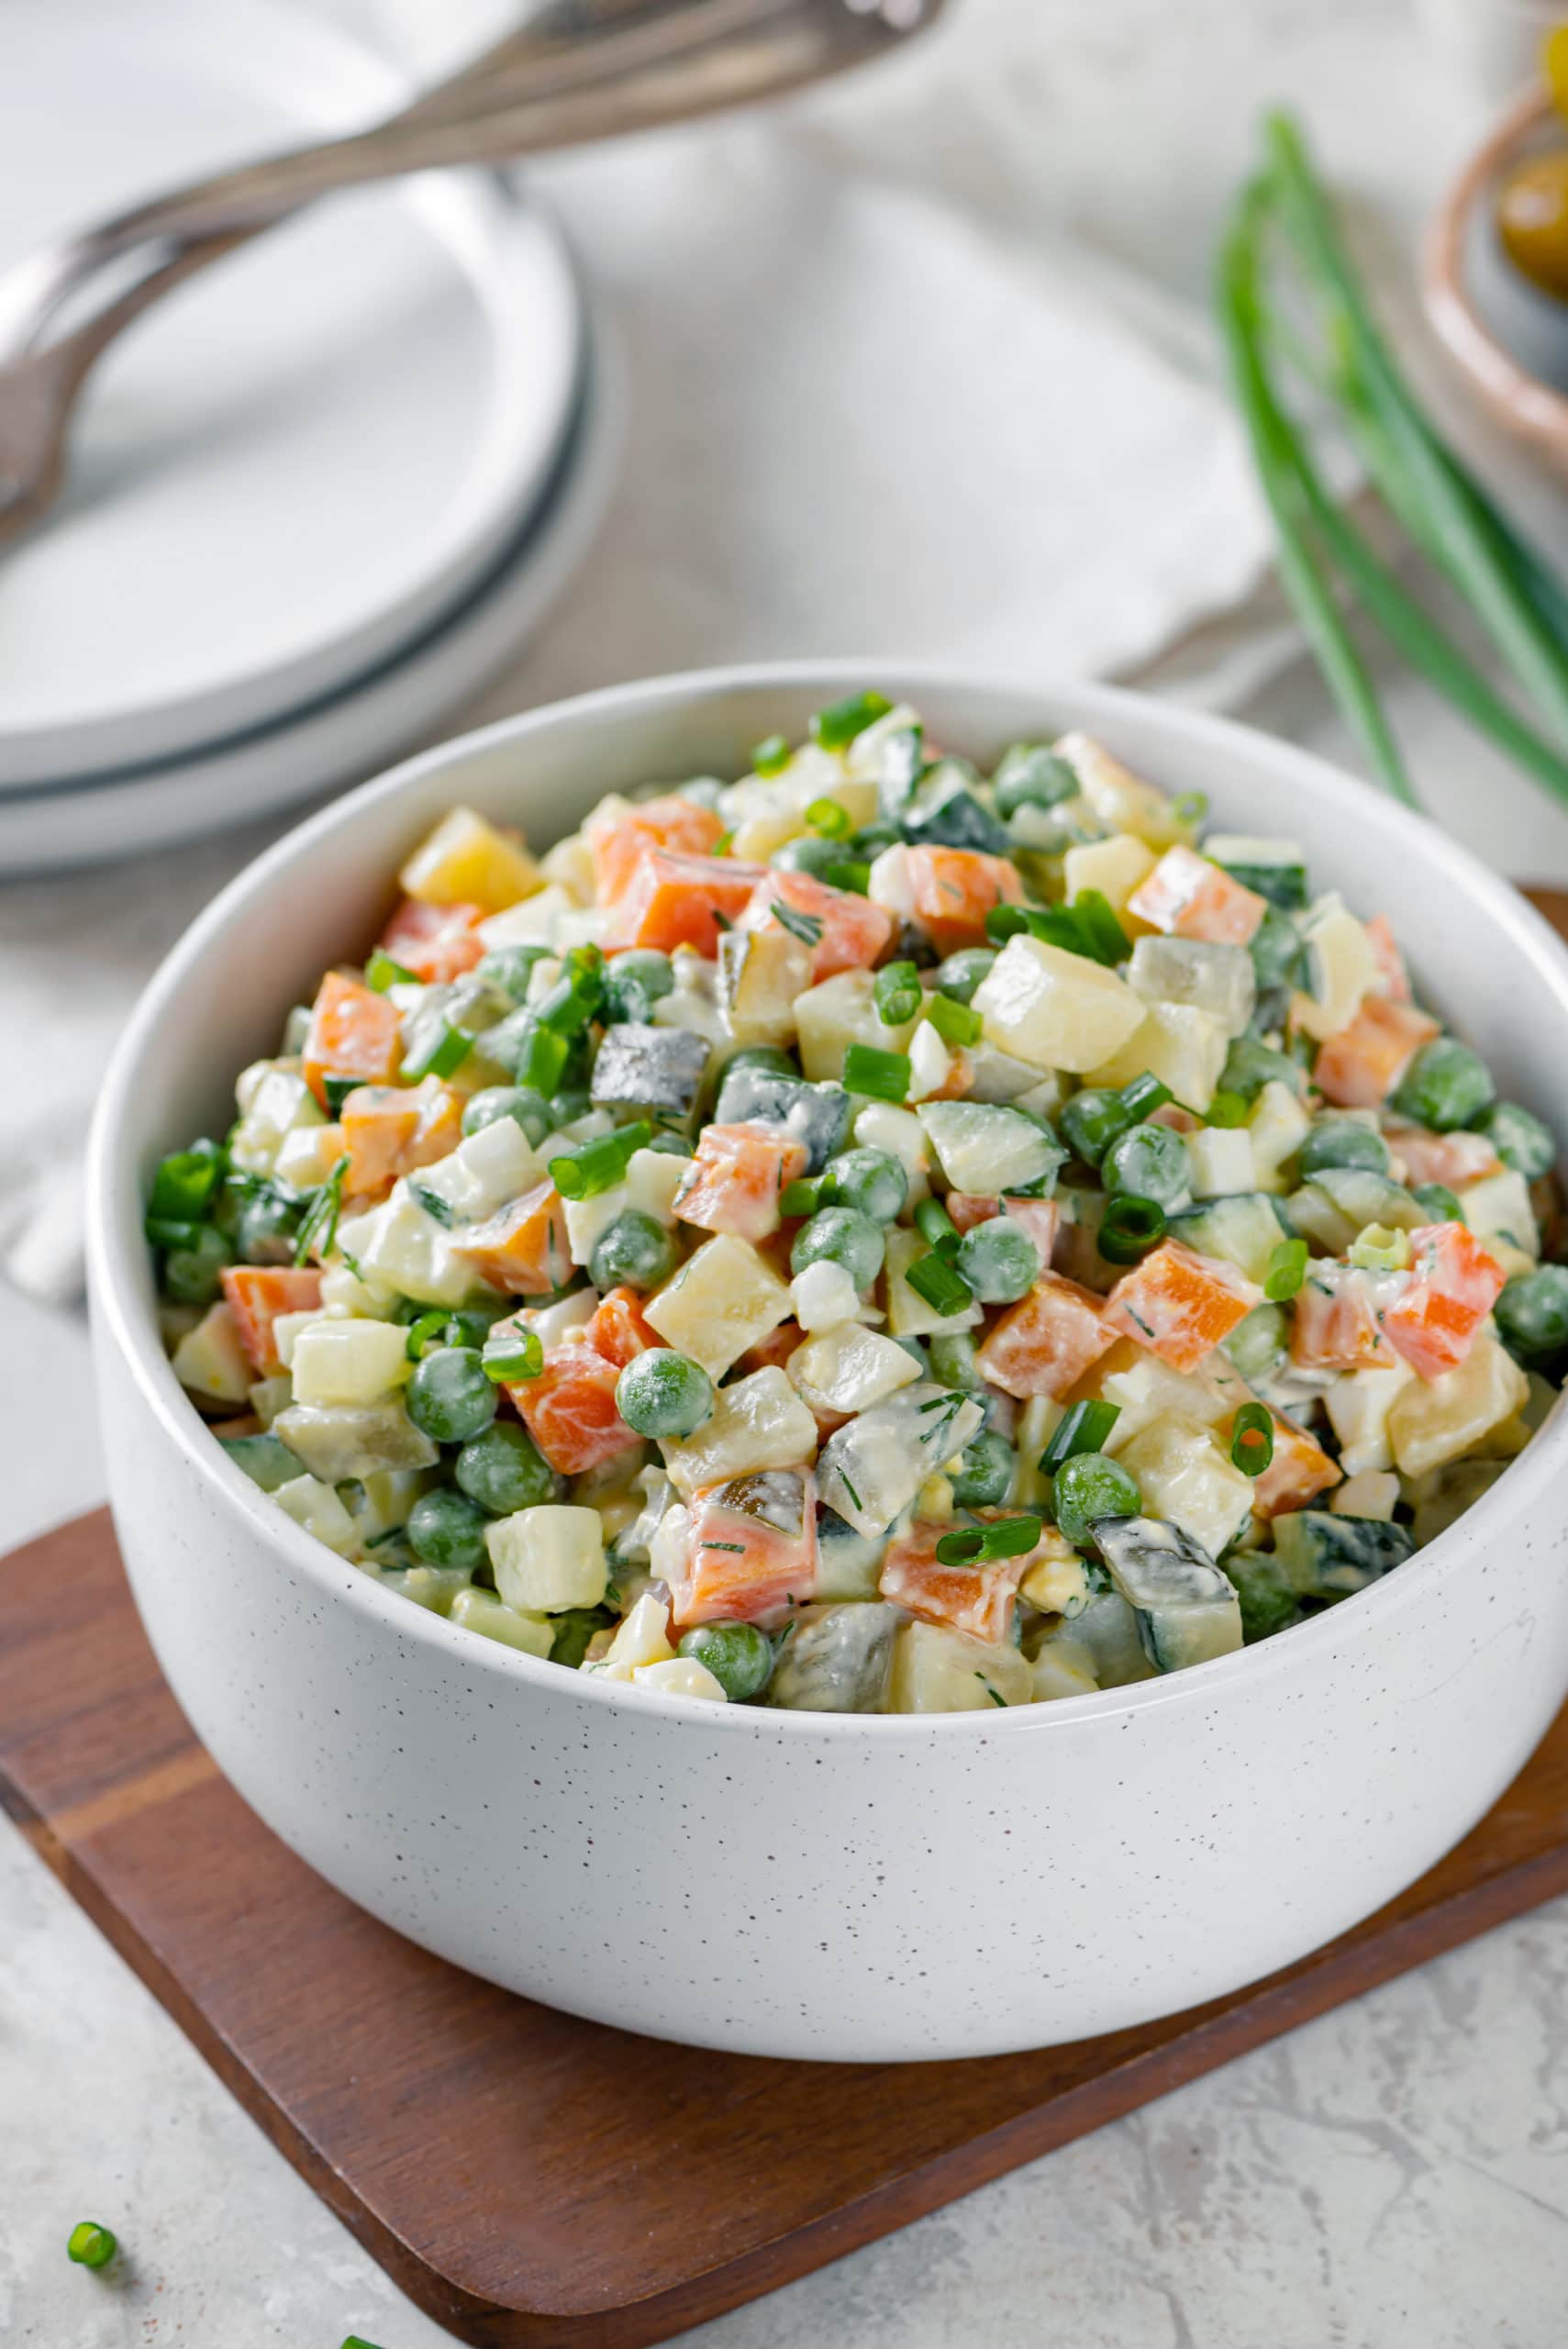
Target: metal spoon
[{"x": 580, "y": 70}]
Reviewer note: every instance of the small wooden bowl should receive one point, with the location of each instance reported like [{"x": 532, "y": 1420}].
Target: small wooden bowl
[{"x": 1507, "y": 339}]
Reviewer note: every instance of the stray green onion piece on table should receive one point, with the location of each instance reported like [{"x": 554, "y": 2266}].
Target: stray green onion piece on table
[{"x": 91, "y": 2245}]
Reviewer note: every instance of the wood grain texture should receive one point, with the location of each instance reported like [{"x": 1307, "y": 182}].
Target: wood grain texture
[{"x": 526, "y": 2178}]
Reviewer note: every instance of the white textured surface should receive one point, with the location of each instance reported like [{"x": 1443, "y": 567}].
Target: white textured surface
[{"x": 1394, "y": 2176}]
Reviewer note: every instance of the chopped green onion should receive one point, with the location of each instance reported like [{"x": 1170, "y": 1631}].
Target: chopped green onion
[
  {"x": 829, "y": 818},
  {"x": 1007, "y": 1537},
  {"x": 897, "y": 994},
  {"x": 354, "y": 2342},
  {"x": 1103, "y": 934},
  {"x": 576, "y": 996},
  {"x": 1083, "y": 1428},
  {"x": 771, "y": 756},
  {"x": 944, "y": 1290},
  {"x": 185, "y": 1182},
  {"x": 1142, "y": 1095},
  {"x": 802, "y": 1196},
  {"x": 936, "y": 1227},
  {"x": 428, "y": 1331},
  {"x": 884, "y": 1075},
  {"x": 448, "y": 1049},
  {"x": 850, "y": 873},
  {"x": 836, "y": 727},
  {"x": 319, "y": 1225},
  {"x": 512, "y": 1352},
  {"x": 541, "y": 1064},
  {"x": 381, "y": 972},
  {"x": 1130, "y": 1228},
  {"x": 91, "y": 2245},
  {"x": 600, "y": 1164},
  {"x": 955, "y": 1022},
  {"x": 1286, "y": 1271},
  {"x": 807, "y": 928},
  {"x": 1226, "y": 1110},
  {"x": 1252, "y": 1439},
  {"x": 1191, "y": 807}
]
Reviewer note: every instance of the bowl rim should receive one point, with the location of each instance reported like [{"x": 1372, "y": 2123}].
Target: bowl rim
[{"x": 114, "y": 1245}]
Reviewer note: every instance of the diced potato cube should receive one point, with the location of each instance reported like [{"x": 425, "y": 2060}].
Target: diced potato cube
[
  {"x": 478, "y": 1611},
  {"x": 1277, "y": 1125},
  {"x": 880, "y": 1125},
  {"x": 317, "y": 1508},
  {"x": 276, "y": 1102},
  {"x": 1217, "y": 976},
  {"x": 569, "y": 864},
  {"x": 307, "y": 1155},
  {"x": 407, "y": 1250},
  {"x": 824, "y": 1295},
  {"x": 940, "y": 1671},
  {"x": 681, "y": 1676},
  {"x": 930, "y": 1062},
  {"x": 485, "y": 1171},
  {"x": 1374, "y": 1493},
  {"x": 759, "y": 1422},
  {"x": 1145, "y": 1389},
  {"x": 1114, "y": 867},
  {"x": 467, "y": 862},
  {"x": 535, "y": 920},
  {"x": 210, "y": 1360},
  {"x": 722, "y": 1300},
  {"x": 1342, "y": 965},
  {"x": 1183, "y": 1047},
  {"x": 1116, "y": 796},
  {"x": 1220, "y": 1160},
  {"x": 1054, "y": 1009},
  {"x": 287, "y": 1329},
  {"x": 641, "y": 1637},
  {"x": 838, "y": 1012},
  {"x": 1435, "y": 1420},
  {"x": 1037, "y": 1423},
  {"x": 1497, "y": 1208},
  {"x": 850, "y": 1368},
  {"x": 908, "y": 1315},
  {"x": 547, "y": 1558},
  {"x": 1063, "y": 1667},
  {"x": 761, "y": 973},
  {"x": 1186, "y": 1476},
  {"x": 348, "y": 1362},
  {"x": 1056, "y": 1580},
  {"x": 1358, "y": 1406}
]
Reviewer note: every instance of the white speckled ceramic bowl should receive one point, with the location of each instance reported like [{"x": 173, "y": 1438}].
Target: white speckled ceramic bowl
[{"x": 803, "y": 1884}]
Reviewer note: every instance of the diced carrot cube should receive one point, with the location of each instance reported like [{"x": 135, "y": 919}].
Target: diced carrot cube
[
  {"x": 523, "y": 1247},
  {"x": 735, "y": 1179},
  {"x": 1393, "y": 980},
  {"x": 977, "y": 1599},
  {"x": 389, "y": 1130},
  {"x": 1041, "y": 1219},
  {"x": 1453, "y": 1159},
  {"x": 1299, "y": 1470},
  {"x": 1337, "y": 1320},
  {"x": 955, "y": 888},
  {"x": 618, "y": 837},
  {"x": 1179, "y": 1304},
  {"x": 258, "y": 1295},
  {"x": 617, "y": 1328},
  {"x": 353, "y": 1032},
  {"x": 850, "y": 932},
  {"x": 569, "y": 1409},
  {"x": 1187, "y": 896},
  {"x": 750, "y": 1548},
  {"x": 769, "y": 1353},
  {"x": 969, "y": 1208},
  {"x": 1360, "y": 1066},
  {"x": 672, "y": 900},
  {"x": 1452, "y": 1284},
  {"x": 437, "y": 943},
  {"x": 1046, "y": 1341}
]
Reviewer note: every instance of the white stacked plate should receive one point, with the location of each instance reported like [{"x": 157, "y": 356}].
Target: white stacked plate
[{"x": 318, "y": 495}]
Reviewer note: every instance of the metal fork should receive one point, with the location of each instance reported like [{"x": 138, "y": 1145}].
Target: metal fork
[{"x": 579, "y": 71}]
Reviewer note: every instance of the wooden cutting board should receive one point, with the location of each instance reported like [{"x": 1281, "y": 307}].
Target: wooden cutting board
[{"x": 527, "y": 2178}]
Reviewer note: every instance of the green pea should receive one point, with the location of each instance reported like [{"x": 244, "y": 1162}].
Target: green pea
[
  {"x": 998, "y": 1260},
  {"x": 986, "y": 1476},
  {"x": 953, "y": 1361},
  {"x": 193, "y": 1276},
  {"x": 840, "y": 1236},
  {"x": 1149, "y": 1162},
  {"x": 449, "y": 1398},
  {"x": 1250, "y": 1064},
  {"x": 446, "y": 1529},
  {"x": 1438, "y": 1203},
  {"x": 740, "y": 1657},
  {"x": 503, "y": 1469},
  {"x": 519, "y": 1102},
  {"x": 1031, "y": 775},
  {"x": 635, "y": 982},
  {"x": 1532, "y": 1313},
  {"x": 574, "y": 1628},
  {"x": 510, "y": 968},
  {"x": 870, "y": 1181},
  {"x": 1342, "y": 1141},
  {"x": 1089, "y": 1486},
  {"x": 810, "y": 854},
  {"x": 636, "y": 1249},
  {"x": 266, "y": 1230},
  {"x": 961, "y": 972},
  {"x": 1445, "y": 1086},
  {"x": 665, "y": 1393},
  {"x": 1519, "y": 1138}
]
